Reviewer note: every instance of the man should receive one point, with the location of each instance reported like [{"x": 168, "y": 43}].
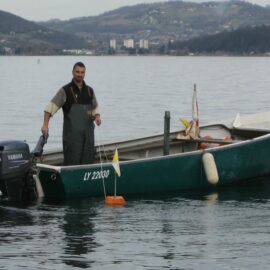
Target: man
[{"x": 80, "y": 109}]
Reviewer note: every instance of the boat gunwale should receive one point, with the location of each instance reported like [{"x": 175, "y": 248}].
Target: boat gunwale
[{"x": 59, "y": 169}]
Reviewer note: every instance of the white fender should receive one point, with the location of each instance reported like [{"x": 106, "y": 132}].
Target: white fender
[{"x": 210, "y": 168}]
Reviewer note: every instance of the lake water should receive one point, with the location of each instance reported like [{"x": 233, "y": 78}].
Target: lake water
[
  {"x": 228, "y": 229},
  {"x": 133, "y": 92}
]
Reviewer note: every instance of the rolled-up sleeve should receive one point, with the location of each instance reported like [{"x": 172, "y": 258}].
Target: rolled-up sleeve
[
  {"x": 56, "y": 103},
  {"x": 95, "y": 109}
]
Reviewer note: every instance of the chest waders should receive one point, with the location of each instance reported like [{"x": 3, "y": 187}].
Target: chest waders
[{"x": 78, "y": 135}]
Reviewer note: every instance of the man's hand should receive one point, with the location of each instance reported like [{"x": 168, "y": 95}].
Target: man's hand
[
  {"x": 45, "y": 130},
  {"x": 97, "y": 120}
]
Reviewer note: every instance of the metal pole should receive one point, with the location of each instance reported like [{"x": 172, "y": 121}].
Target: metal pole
[{"x": 166, "y": 146}]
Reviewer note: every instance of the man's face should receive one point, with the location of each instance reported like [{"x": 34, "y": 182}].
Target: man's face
[{"x": 78, "y": 74}]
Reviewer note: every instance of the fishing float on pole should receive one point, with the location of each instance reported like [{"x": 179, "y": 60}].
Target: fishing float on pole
[
  {"x": 115, "y": 200},
  {"x": 112, "y": 200}
]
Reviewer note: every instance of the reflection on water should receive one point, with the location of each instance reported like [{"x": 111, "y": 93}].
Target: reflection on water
[
  {"x": 225, "y": 228},
  {"x": 79, "y": 235}
]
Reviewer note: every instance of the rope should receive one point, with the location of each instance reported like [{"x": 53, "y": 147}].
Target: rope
[
  {"x": 101, "y": 166},
  {"x": 105, "y": 153},
  {"x": 103, "y": 148}
]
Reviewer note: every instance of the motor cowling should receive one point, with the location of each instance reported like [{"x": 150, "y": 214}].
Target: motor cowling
[{"x": 15, "y": 168}]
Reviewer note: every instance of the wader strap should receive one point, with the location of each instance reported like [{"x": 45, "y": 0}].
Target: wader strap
[
  {"x": 75, "y": 99},
  {"x": 89, "y": 92}
]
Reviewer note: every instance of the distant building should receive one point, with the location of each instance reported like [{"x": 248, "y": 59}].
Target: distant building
[
  {"x": 129, "y": 43},
  {"x": 144, "y": 44},
  {"x": 78, "y": 52},
  {"x": 113, "y": 44}
]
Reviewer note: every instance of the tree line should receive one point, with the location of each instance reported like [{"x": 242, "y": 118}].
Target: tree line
[{"x": 246, "y": 40}]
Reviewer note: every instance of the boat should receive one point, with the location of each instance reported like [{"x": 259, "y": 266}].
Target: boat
[
  {"x": 194, "y": 158},
  {"x": 222, "y": 154}
]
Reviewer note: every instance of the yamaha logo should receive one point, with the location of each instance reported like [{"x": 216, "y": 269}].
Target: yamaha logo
[{"x": 15, "y": 156}]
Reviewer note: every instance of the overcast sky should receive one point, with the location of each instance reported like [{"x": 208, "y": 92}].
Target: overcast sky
[{"x": 40, "y": 10}]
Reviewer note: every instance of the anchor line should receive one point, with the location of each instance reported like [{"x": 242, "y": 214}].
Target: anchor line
[
  {"x": 114, "y": 184},
  {"x": 101, "y": 166}
]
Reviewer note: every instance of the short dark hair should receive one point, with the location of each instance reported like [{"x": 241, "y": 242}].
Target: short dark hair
[{"x": 79, "y": 64}]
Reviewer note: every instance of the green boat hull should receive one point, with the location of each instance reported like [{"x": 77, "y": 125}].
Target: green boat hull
[{"x": 236, "y": 162}]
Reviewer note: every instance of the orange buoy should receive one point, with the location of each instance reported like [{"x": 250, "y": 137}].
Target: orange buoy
[
  {"x": 115, "y": 200},
  {"x": 204, "y": 145},
  {"x": 227, "y": 138}
]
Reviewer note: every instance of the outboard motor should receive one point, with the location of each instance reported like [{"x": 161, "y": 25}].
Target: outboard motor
[{"x": 17, "y": 167}]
